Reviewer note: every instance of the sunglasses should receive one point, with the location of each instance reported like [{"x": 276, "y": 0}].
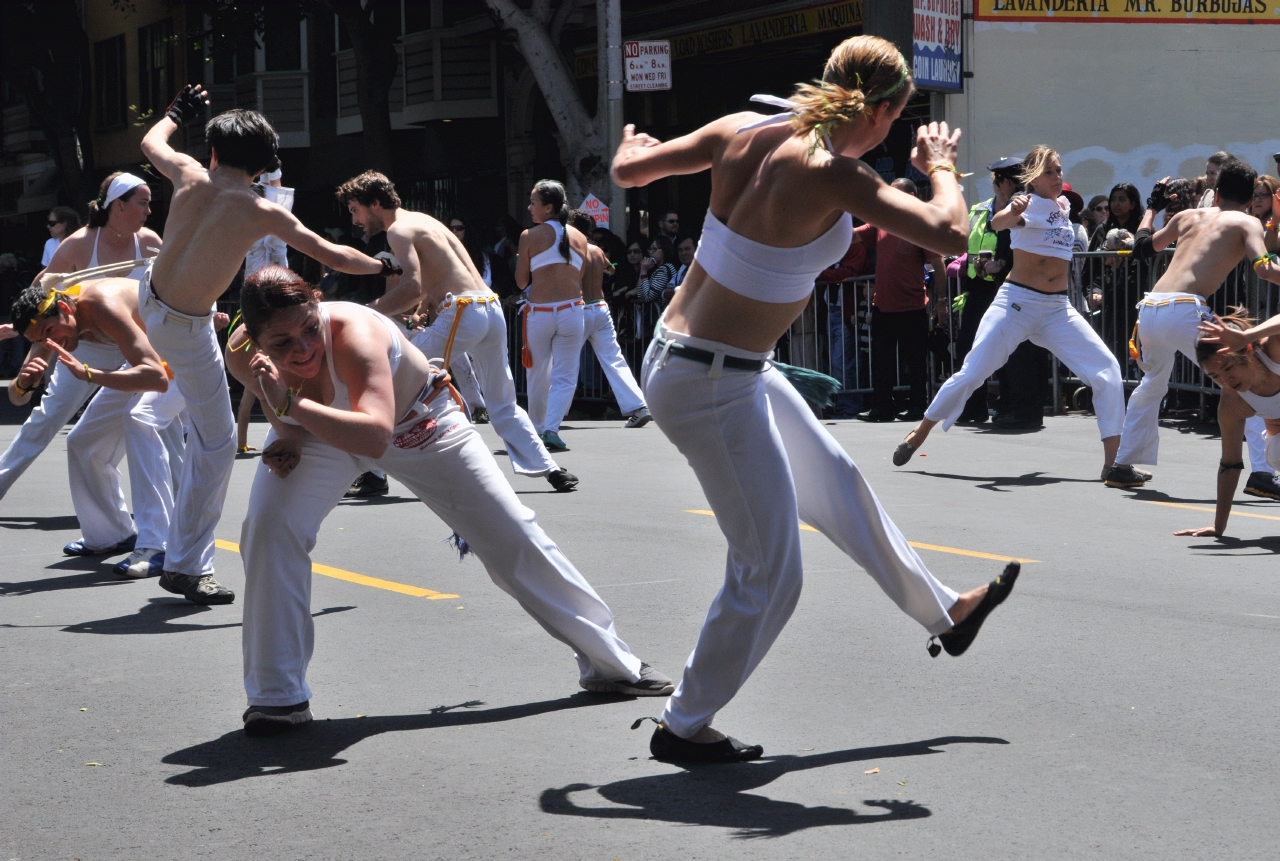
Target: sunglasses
[{"x": 1101, "y": 208}]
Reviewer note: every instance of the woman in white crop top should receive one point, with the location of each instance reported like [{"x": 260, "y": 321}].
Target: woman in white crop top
[
  {"x": 549, "y": 269},
  {"x": 1032, "y": 305},
  {"x": 782, "y": 192}
]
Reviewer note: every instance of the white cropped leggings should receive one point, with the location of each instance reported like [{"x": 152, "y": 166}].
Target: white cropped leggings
[
  {"x": 146, "y": 426},
  {"x": 765, "y": 464},
  {"x": 554, "y": 335},
  {"x": 597, "y": 329},
  {"x": 445, "y": 462},
  {"x": 1047, "y": 320}
]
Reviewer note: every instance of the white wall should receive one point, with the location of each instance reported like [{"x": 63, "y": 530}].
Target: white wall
[{"x": 1120, "y": 102}]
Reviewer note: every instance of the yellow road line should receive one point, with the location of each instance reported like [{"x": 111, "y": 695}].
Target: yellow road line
[
  {"x": 1235, "y": 512},
  {"x": 352, "y": 577},
  {"x": 804, "y": 527}
]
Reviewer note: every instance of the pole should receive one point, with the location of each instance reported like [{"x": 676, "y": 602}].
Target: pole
[{"x": 612, "y": 64}]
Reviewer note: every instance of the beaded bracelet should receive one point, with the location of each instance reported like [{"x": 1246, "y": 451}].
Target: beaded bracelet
[
  {"x": 88, "y": 374},
  {"x": 1263, "y": 258},
  {"x": 949, "y": 168}
]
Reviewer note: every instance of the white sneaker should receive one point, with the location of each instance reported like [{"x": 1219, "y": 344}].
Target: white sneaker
[{"x": 142, "y": 562}]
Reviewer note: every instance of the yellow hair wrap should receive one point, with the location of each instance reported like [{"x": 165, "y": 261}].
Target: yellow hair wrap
[{"x": 47, "y": 303}]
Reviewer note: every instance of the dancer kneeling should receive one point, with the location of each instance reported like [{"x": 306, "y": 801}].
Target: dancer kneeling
[
  {"x": 1246, "y": 364},
  {"x": 1032, "y": 305},
  {"x": 346, "y": 392},
  {"x": 763, "y": 460}
]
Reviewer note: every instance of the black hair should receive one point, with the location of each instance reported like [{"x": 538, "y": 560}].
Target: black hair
[
  {"x": 1238, "y": 318},
  {"x": 581, "y": 220},
  {"x": 1220, "y": 158},
  {"x": 1134, "y": 219},
  {"x": 470, "y": 242},
  {"x": 26, "y": 307},
  {"x": 1236, "y": 181},
  {"x": 552, "y": 194},
  {"x": 99, "y": 211},
  {"x": 243, "y": 139},
  {"x": 667, "y": 246},
  {"x": 270, "y": 289}
]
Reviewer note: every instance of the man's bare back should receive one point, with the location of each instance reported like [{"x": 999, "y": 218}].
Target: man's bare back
[
  {"x": 1211, "y": 243},
  {"x": 435, "y": 263},
  {"x": 593, "y": 268}
]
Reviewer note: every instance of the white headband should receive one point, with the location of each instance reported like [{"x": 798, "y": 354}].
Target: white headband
[{"x": 120, "y": 186}]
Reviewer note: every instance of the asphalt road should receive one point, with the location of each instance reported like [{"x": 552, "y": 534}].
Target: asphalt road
[{"x": 1121, "y": 705}]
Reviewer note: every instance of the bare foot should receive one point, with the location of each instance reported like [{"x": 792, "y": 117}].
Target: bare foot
[{"x": 965, "y": 604}]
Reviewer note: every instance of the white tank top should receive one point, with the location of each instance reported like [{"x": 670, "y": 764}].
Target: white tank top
[
  {"x": 341, "y": 398},
  {"x": 1266, "y": 406},
  {"x": 136, "y": 272},
  {"x": 1048, "y": 229},
  {"x": 552, "y": 254}
]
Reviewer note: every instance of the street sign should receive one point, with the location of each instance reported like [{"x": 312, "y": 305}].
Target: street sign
[
  {"x": 648, "y": 65},
  {"x": 595, "y": 207}
]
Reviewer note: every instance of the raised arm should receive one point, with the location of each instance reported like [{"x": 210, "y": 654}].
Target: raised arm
[
  {"x": 642, "y": 158},
  {"x": 187, "y": 105},
  {"x": 408, "y": 290}
]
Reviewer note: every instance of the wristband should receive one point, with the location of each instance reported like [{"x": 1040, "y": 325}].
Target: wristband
[
  {"x": 283, "y": 411},
  {"x": 88, "y": 374},
  {"x": 185, "y": 106},
  {"x": 948, "y": 168},
  {"x": 20, "y": 390},
  {"x": 1262, "y": 259},
  {"x": 1223, "y": 466},
  {"x": 1271, "y": 225}
]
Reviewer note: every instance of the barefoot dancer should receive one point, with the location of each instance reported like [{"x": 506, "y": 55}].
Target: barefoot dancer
[
  {"x": 348, "y": 392},
  {"x": 780, "y": 198},
  {"x": 1211, "y": 242},
  {"x": 214, "y": 219},
  {"x": 1246, "y": 364},
  {"x": 1032, "y": 304},
  {"x": 439, "y": 273}
]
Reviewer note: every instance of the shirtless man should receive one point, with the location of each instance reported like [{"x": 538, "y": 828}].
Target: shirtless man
[
  {"x": 214, "y": 219},
  {"x": 136, "y": 408},
  {"x": 116, "y": 233},
  {"x": 597, "y": 329},
  {"x": 1211, "y": 242},
  {"x": 439, "y": 275}
]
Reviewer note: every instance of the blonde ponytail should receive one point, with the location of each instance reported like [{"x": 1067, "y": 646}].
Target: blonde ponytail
[{"x": 861, "y": 73}]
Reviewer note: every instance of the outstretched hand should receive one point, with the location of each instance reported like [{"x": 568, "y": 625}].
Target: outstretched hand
[
  {"x": 935, "y": 145},
  {"x": 72, "y": 364},
  {"x": 188, "y": 105},
  {"x": 1232, "y": 340},
  {"x": 390, "y": 265}
]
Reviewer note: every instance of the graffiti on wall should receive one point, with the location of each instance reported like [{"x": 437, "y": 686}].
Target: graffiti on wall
[{"x": 1097, "y": 168}]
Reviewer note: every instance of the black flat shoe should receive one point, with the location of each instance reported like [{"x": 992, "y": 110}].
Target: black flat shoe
[
  {"x": 958, "y": 639},
  {"x": 666, "y": 746},
  {"x": 902, "y": 453}
]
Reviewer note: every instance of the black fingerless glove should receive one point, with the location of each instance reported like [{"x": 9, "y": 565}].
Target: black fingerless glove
[
  {"x": 1158, "y": 199},
  {"x": 389, "y": 269},
  {"x": 186, "y": 106}
]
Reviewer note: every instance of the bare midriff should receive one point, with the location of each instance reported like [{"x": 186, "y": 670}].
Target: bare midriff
[
  {"x": 1046, "y": 274},
  {"x": 704, "y": 308}
]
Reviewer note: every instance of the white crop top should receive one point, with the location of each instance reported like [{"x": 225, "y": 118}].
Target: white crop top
[
  {"x": 767, "y": 273},
  {"x": 1048, "y": 231},
  {"x": 552, "y": 254},
  {"x": 1266, "y": 406}
]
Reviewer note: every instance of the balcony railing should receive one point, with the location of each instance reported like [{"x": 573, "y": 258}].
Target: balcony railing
[{"x": 284, "y": 98}]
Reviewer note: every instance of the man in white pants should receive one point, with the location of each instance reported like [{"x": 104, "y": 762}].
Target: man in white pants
[
  {"x": 135, "y": 412},
  {"x": 439, "y": 273},
  {"x": 392, "y": 410},
  {"x": 1211, "y": 242},
  {"x": 214, "y": 219}
]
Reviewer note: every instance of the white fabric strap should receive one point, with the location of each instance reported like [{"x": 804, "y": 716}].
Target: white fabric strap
[{"x": 789, "y": 107}]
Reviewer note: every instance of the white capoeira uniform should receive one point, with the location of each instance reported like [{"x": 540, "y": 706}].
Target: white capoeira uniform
[
  {"x": 1266, "y": 407},
  {"x": 553, "y": 335},
  {"x": 64, "y": 397},
  {"x": 190, "y": 346},
  {"x": 1168, "y": 324},
  {"x": 472, "y": 323},
  {"x": 597, "y": 330},
  {"x": 1020, "y": 313},
  {"x": 765, "y": 463},
  {"x": 438, "y": 454}
]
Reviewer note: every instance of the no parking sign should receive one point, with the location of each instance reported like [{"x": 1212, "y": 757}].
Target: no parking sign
[{"x": 595, "y": 207}]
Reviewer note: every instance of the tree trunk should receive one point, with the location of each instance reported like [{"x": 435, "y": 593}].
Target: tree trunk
[
  {"x": 376, "y": 65},
  {"x": 46, "y": 58}
]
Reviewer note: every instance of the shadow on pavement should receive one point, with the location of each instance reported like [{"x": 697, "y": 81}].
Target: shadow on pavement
[
  {"x": 720, "y": 795},
  {"x": 158, "y": 616},
  {"x": 376, "y": 500},
  {"x": 1142, "y": 494},
  {"x": 44, "y": 524},
  {"x": 1000, "y": 482},
  {"x": 235, "y": 756},
  {"x": 92, "y": 573},
  {"x": 1227, "y": 544}
]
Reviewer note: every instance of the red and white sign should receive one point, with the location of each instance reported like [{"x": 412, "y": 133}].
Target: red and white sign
[
  {"x": 648, "y": 65},
  {"x": 596, "y": 208}
]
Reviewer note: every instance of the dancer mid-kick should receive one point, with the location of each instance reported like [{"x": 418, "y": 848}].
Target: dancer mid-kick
[
  {"x": 781, "y": 194},
  {"x": 1032, "y": 305}
]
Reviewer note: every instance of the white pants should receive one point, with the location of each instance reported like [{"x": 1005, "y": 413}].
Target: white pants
[
  {"x": 61, "y": 400},
  {"x": 482, "y": 334},
  {"x": 463, "y": 371},
  {"x": 1271, "y": 452},
  {"x": 115, "y": 424},
  {"x": 597, "y": 329},
  {"x": 190, "y": 346},
  {"x": 1255, "y": 435},
  {"x": 1163, "y": 332},
  {"x": 442, "y": 459},
  {"x": 765, "y": 463},
  {"x": 1018, "y": 314},
  {"x": 553, "y": 334}
]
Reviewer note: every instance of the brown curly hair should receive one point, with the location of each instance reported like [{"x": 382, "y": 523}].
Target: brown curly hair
[{"x": 369, "y": 188}]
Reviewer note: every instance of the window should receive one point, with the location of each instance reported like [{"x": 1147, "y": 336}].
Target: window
[
  {"x": 108, "y": 65},
  {"x": 155, "y": 66},
  {"x": 282, "y": 38}
]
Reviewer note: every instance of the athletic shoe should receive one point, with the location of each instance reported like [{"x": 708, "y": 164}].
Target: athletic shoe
[
  {"x": 273, "y": 720},
  {"x": 552, "y": 441},
  {"x": 142, "y": 563},
  {"x": 196, "y": 589},
  {"x": 652, "y": 684},
  {"x": 367, "y": 485},
  {"x": 562, "y": 480},
  {"x": 479, "y": 416},
  {"x": 1263, "y": 484},
  {"x": 1121, "y": 475},
  {"x": 639, "y": 418},
  {"x": 666, "y": 746},
  {"x": 79, "y": 548}
]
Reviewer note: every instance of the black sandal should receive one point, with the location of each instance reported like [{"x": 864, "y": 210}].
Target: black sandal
[
  {"x": 666, "y": 746},
  {"x": 959, "y": 638}
]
